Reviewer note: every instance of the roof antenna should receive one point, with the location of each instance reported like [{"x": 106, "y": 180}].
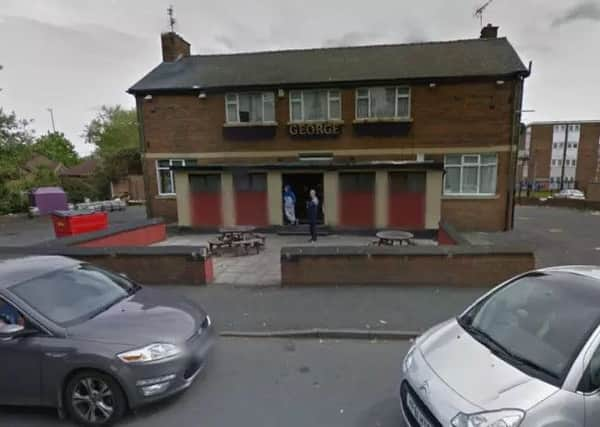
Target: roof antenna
[
  {"x": 479, "y": 12},
  {"x": 172, "y": 20}
]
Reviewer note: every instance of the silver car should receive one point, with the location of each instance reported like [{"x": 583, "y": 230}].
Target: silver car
[{"x": 526, "y": 354}]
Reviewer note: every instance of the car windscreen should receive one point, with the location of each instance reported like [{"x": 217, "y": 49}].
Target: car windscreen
[
  {"x": 539, "y": 323},
  {"x": 71, "y": 295}
]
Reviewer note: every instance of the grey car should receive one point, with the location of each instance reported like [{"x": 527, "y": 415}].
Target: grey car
[
  {"x": 527, "y": 354},
  {"x": 93, "y": 343}
]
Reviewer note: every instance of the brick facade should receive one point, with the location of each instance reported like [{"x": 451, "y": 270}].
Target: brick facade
[
  {"x": 587, "y": 156},
  {"x": 458, "y": 116},
  {"x": 540, "y": 153}
]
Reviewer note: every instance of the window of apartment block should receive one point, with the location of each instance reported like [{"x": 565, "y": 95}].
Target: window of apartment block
[
  {"x": 165, "y": 176},
  {"x": 470, "y": 174},
  {"x": 383, "y": 102},
  {"x": 251, "y": 107},
  {"x": 315, "y": 105}
]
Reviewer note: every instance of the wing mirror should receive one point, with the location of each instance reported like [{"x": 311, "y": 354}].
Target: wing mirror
[{"x": 8, "y": 332}]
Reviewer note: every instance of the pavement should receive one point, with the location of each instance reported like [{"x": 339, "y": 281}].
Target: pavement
[
  {"x": 246, "y": 309},
  {"x": 19, "y": 230},
  {"x": 274, "y": 383},
  {"x": 559, "y": 236}
]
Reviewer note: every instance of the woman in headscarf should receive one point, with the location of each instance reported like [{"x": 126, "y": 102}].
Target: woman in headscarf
[{"x": 289, "y": 204}]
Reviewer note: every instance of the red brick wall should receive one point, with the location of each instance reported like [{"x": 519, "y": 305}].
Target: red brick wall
[
  {"x": 449, "y": 115},
  {"x": 540, "y": 151},
  {"x": 404, "y": 269},
  {"x": 587, "y": 155},
  {"x": 157, "y": 269},
  {"x": 139, "y": 237},
  {"x": 463, "y": 115}
]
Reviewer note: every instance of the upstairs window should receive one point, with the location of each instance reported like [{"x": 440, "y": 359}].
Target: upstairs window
[
  {"x": 470, "y": 174},
  {"x": 383, "y": 103},
  {"x": 315, "y": 105},
  {"x": 251, "y": 107}
]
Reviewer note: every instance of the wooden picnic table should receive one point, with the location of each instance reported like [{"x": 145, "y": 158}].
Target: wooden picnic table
[
  {"x": 237, "y": 237},
  {"x": 393, "y": 237}
]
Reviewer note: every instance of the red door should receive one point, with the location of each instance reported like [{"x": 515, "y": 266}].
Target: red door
[
  {"x": 407, "y": 200},
  {"x": 205, "y": 192},
  {"x": 251, "y": 199},
  {"x": 357, "y": 200}
]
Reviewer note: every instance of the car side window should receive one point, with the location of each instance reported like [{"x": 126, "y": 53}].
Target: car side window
[
  {"x": 9, "y": 315},
  {"x": 591, "y": 376}
]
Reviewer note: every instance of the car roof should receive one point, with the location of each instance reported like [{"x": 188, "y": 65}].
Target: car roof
[
  {"x": 592, "y": 271},
  {"x": 22, "y": 269}
]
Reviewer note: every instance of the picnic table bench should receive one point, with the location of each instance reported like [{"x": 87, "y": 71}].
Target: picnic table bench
[{"x": 239, "y": 238}]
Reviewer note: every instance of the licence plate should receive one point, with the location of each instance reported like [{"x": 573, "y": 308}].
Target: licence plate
[{"x": 419, "y": 417}]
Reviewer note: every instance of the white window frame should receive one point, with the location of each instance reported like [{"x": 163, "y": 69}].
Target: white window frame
[
  {"x": 479, "y": 165},
  {"x": 172, "y": 176},
  {"x": 368, "y": 98},
  {"x": 330, "y": 98},
  {"x": 236, "y": 102}
]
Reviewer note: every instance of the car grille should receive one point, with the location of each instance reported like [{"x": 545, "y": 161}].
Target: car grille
[{"x": 405, "y": 389}]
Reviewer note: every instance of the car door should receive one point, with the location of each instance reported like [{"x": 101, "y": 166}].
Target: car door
[
  {"x": 590, "y": 387},
  {"x": 20, "y": 370}
]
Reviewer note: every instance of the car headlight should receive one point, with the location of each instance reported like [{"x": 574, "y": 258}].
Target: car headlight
[
  {"x": 409, "y": 358},
  {"x": 150, "y": 353},
  {"x": 503, "y": 418}
]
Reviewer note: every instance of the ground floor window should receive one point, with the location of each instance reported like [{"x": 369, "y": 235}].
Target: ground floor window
[
  {"x": 470, "y": 174},
  {"x": 165, "y": 176}
]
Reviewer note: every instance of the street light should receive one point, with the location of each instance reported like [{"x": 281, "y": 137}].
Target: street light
[{"x": 51, "y": 111}]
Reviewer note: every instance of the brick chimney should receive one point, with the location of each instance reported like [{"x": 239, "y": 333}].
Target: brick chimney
[
  {"x": 489, "y": 32},
  {"x": 173, "y": 46}
]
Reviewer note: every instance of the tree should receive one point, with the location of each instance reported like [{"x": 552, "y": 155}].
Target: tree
[
  {"x": 113, "y": 129},
  {"x": 15, "y": 149},
  {"x": 114, "y": 132},
  {"x": 57, "y": 147}
]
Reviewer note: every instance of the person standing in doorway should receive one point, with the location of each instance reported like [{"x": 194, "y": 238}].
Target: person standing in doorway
[
  {"x": 289, "y": 204},
  {"x": 313, "y": 213}
]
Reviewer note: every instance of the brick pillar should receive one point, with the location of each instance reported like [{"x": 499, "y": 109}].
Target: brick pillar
[
  {"x": 227, "y": 199},
  {"x": 433, "y": 199},
  {"x": 275, "y": 198},
  {"x": 330, "y": 198},
  {"x": 182, "y": 183},
  {"x": 382, "y": 198}
]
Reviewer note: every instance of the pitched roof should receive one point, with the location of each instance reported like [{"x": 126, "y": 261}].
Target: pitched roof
[
  {"x": 461, "y": 58},
  {"x": 39, "y": 161},
  {"x": 84, "y": 168}
]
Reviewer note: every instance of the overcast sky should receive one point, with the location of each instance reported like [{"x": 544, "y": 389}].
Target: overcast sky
[{"x": 76, "y": 55}]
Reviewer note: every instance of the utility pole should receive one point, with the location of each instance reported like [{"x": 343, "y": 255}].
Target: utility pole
[{"x": 51, "y": 111}]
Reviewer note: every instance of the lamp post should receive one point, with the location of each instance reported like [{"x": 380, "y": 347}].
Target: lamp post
[{"x": 51, "y": 111}]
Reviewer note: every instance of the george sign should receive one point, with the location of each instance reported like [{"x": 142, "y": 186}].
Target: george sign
[{"x": 315, "y": 129}]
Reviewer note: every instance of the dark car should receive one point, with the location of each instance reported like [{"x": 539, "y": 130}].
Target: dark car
[{"x": 94, "y": 343}]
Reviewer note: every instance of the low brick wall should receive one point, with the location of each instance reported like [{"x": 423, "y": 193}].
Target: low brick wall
[
  {"x": 460, "y": 266},
  {"x": 157, "y": 265},
  {"x": 140, "y": 233}
]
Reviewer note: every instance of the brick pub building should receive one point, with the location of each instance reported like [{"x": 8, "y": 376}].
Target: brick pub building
[{"x": 399, "y": 136}]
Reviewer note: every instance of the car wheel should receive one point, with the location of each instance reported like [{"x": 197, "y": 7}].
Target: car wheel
[{"x": 94, "y": 399}]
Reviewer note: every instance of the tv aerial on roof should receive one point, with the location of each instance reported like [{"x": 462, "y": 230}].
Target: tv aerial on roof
[
  {"x": 172, "y": 19},
  {"x": 479, "y": 11}
]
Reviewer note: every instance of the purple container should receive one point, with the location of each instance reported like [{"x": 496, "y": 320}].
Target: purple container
[{"x": 49, "y": 199}]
